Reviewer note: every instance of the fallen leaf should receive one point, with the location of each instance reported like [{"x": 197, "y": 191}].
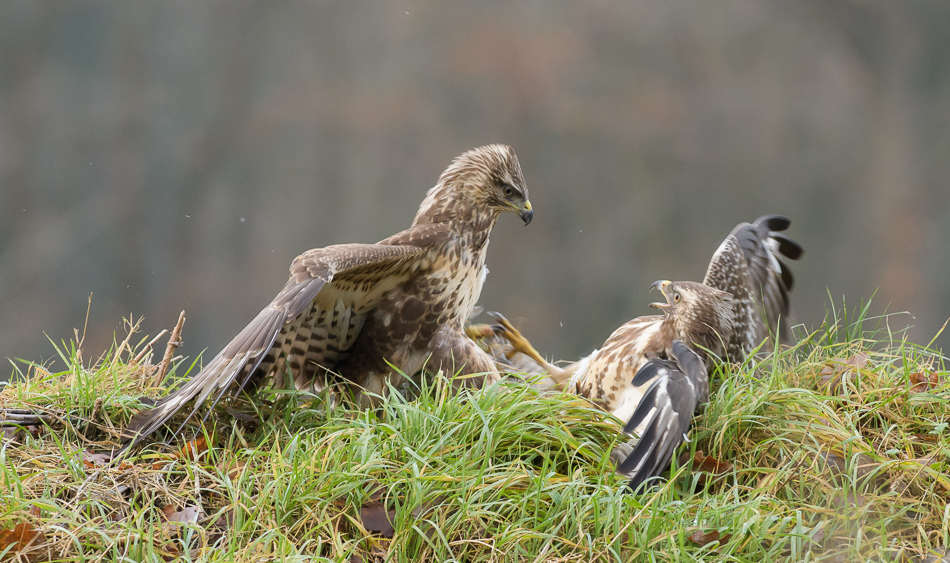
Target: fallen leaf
[
  {"x": 376, "y": 518},
  {"x": 836, "y": 466},
  {"x": 17, "y": 433},
  {"x": 934, "y": 556},
  {"x": 187, "y": 515},
  {"x": 928, "y": 461},
  {"x": 225, "y": 521},
  {"x": 375, "y": 555},
  {"x": 707, "y": 466},
  {"x": 847, "y": 503},
  {"x": 25, "y": 541},
  {"x": 898, "y": 486},
  {"x": 170, "y": 552},
  {"x": 243, "y": 416},
  {"x": 704, "y": 538},
  {"x": 922, "y": 382},
  {"x": 221, "y": 525},
  {"x": 233, "y": 469},
  {"x": 423, "y": 510},
  {"x": 94, "y": 459},
  {"x": 193, "y": 449},
  {"x": 830, "y": 376}
]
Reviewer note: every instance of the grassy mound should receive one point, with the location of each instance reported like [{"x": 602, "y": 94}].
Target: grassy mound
[{"x": 834, "y": 450}]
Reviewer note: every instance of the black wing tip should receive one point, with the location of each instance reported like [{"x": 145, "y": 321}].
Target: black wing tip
[
  {"x": 773, "y": 225},
  {"x": 773, "y": 222},
  {"x": 787, "y": 247}
]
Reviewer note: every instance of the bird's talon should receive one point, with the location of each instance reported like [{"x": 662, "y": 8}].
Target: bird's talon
[
  {"x": 480, "y": 331},
  {"x": 518, "y": 342}
]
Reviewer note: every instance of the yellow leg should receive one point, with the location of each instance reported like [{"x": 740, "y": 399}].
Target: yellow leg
[
  {"x": 479, "y": 331},
  {"x": 518, "y": 342}
]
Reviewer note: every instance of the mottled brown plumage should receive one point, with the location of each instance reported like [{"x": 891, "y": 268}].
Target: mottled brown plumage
[
  {"x": 693, "y": 313},
  {"x": 742, "y": 301},
  {"x": 356, "y": 310}
]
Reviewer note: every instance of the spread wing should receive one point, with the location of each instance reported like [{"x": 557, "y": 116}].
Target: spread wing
[
  {"x": 663, "y": 416},
  {"x": 305, "y": 330},
  {"x": 751, "y": 265}
]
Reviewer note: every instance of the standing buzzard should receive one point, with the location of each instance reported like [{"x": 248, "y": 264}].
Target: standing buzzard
[
  {"x": 364, "y": 311},
  {"x": 742, "y": 301}
]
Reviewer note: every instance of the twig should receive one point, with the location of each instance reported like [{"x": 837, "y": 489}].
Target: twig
[
  {"x": 80, "y": 339},
  {"x": 174, "y": 341},
  {"x": 148, "y": 347},
  {"x": 23, "y": 417},
  {"x": 133, "y": 328}
]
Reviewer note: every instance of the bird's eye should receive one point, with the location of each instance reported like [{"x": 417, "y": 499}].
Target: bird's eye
[
  {"x": 509, "y": 191},
  {"x": 676, "y": 297}
]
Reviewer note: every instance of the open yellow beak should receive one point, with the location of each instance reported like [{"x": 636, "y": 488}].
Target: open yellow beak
[{"x": 662, "y": 285}]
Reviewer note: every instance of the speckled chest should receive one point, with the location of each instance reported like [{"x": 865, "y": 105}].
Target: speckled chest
[{"x": 400, "y": 329}]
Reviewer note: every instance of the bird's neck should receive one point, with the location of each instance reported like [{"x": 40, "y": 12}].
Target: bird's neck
[
  {"x": 472, "y": 220},
  {"x": 698, "y": 335}
]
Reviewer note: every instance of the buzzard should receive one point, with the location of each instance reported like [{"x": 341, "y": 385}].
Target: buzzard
[
  {"x": 368, "y": 313},
  {"x": 646, "y": 372}
]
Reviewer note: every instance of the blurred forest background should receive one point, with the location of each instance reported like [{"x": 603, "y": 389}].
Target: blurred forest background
[{"x": 178, "y": 155}]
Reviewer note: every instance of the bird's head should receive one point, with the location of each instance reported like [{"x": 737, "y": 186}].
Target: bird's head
[
  {"x": 479, "y": 184},
  {"x": 695, "y": 312}
]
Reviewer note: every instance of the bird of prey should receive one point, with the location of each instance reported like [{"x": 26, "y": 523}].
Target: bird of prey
[
  {"x": 368, "y": 313},
  {"x": 641, "y": 375}
]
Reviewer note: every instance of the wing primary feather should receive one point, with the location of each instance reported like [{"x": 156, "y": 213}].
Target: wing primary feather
[
  {"x": 252, "y": 342},
  {"x": 639, "y": 457},
  {"x": 788, "y": 280},
  {"x": 343, "y": 284},
  {"x": 751, "y": 264},
  {"x": 649, "y": 372},
  {"x": 773, "y": 222},
  {"x": 679, "y": 386},
  {"x": 787, "y": 247},
  {"x": 688, "y": 360},
  {"x": 649, "y": 398}
]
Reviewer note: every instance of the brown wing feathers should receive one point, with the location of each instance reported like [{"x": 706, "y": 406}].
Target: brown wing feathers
[
  {"x": 259, "y": 346},
  {"x": 751, "y": 265},
  {"x": 243, "y": 354},
  {"x": 335, "y": 293},
  {"x": 645, "y": 369}
]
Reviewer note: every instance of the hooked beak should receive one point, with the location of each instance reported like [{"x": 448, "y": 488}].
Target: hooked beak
[
  {"x": 661, "y": 285},
  {"x": 525, "y": 213}
]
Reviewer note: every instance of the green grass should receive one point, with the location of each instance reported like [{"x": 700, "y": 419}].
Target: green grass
[{"x": 850, "y": 471}]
